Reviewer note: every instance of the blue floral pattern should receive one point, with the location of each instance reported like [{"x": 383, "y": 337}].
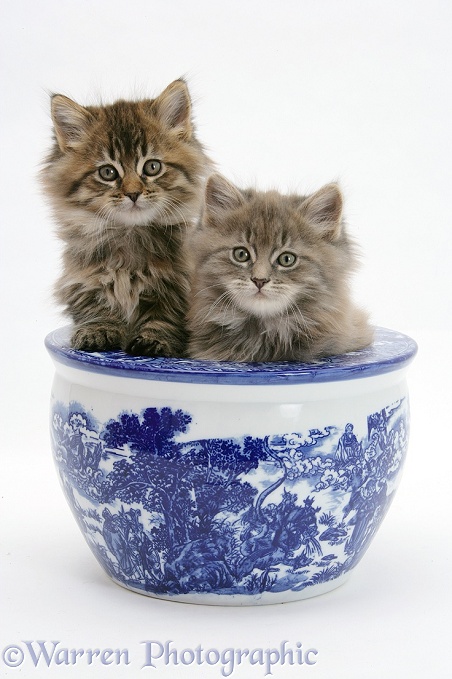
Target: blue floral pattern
[{"x": 231, "y": 516}]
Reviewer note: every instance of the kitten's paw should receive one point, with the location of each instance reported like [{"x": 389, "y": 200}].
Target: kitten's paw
[
  {"x": 97, "y": 338},
  {"x": 140, "y": 346},
  {"x": 147, "y": 344}
]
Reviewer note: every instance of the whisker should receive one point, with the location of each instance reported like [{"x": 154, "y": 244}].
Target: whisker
[
  {"x": 224, "y": 297},
  {"x": 170, "y": 205},
  {"x": 303, "y": 322},
  {"x": 208, "y": 287}
]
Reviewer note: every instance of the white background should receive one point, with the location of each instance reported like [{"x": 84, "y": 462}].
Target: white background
[{"x": 287, "y": 94}]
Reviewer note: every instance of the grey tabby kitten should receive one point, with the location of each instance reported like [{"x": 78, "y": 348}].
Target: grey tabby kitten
[
  {"x": 125, "y": 181},
  {"x": 270, "y": 277}
]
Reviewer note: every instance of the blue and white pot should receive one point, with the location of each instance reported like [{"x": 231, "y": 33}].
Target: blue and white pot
[{"x": 230, "y": 483}]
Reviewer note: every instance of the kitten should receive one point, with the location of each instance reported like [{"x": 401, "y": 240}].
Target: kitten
[
  {"x": 270, "y": 277},
  {"x": 125, "y": 181}
]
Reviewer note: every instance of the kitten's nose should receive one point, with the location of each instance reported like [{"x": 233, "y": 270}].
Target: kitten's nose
[
  {"x": 134, "y": 196},
  {"x": 259, "y": 282}
]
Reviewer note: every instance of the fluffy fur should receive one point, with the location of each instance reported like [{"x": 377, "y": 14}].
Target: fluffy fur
[
  {"x": 271, "y": 277},
  {"x": 125, "y": 181}
]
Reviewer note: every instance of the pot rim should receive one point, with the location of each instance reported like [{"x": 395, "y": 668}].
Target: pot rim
[{"x": 390, "y": 350}]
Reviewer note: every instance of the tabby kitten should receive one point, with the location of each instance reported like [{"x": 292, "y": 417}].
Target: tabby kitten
[
  {"x": 270, "y": 277},
  {"x": 125, "y": 182}
]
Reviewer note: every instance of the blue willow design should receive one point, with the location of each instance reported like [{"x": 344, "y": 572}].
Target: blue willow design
[{"x": 169, "y": 517}]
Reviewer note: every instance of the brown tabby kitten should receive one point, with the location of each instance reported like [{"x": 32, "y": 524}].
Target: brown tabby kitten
[
  {"x": 270, "y": 277},
  {"x": 125, "y": 181}
]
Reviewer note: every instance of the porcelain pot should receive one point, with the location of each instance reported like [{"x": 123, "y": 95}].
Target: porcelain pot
[{"x": 230, "y": 483}]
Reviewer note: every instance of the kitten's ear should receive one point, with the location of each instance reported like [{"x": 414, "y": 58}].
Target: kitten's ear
[
  {"x": 221, "y": 195},
  {"x": 70, "y": 121},
  {"x": 324, "y": 210},
  {"x": 174, "y": 107}
]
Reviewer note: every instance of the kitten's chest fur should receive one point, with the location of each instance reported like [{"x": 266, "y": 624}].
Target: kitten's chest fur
[
  {"x": 124, "y": 287},
  {"x": 124, "y": 272},
  {"x": 264, "y": 339}
]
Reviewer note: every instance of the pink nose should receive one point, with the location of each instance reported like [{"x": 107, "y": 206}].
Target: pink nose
[{"x": 259, "y": 282}]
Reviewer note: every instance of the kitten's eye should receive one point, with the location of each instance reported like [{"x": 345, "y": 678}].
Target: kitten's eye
[
  {"x": 108, "y": 173},
  {"x": 241, "y": 255},
  {"x": 151, "y": 168},
  {"x": 286, "y": 259}
]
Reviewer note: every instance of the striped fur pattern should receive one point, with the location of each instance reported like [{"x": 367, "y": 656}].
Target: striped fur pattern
[
  {"x": 271, "y": 277},
  {"x": 125, "y": 182}
]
